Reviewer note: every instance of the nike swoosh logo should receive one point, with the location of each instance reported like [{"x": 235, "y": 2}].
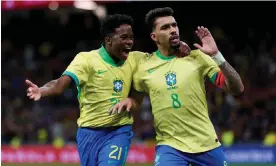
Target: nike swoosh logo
[
  {"x": 102, "y": 71},
  {"x": 151, "y": 70}
]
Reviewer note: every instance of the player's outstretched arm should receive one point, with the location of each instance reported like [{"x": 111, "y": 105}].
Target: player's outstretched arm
[
  {"x": 228, "y": 78},
  {"x": 133, "y": 102},
  {"x": 54, "y": 87}
]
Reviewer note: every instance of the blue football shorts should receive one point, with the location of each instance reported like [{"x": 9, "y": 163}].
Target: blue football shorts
[
  {"x": 104, "y": 146},
  {"x": 168, "y": 156}
]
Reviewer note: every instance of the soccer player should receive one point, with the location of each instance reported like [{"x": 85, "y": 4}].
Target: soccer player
[
  {"x": 103, "y": 77},
  {"x": 185, "y": 134}
]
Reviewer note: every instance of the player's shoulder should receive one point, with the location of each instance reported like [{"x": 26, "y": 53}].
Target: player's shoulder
[
  {"x": 146, "y": 56},
  {"x": 196, "y": 53},
  {"x": 200, "y": 57},
  {"x": 87, "y": 55},
  {"x": 138, "y": 55},
  {"x": 147, "y": 61},
  {"x": 150, "y": 59}
]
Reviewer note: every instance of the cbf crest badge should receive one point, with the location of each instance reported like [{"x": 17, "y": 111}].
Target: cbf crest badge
[
  {"x": 170, "y": 78},
  {"x": 118, "y": 85}
]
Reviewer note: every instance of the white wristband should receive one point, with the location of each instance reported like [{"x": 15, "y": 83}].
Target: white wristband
[{"x": 218, "y": 58}]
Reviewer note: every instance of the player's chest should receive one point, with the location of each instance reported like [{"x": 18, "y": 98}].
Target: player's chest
[
  {"x": 112, "y": 77},
  {"x": 171, "y": 76}
]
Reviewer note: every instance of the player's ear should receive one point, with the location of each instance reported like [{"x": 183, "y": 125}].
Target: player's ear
[
  {"x": 107, "y": 40},
  {"x": 153, "y": 36}
]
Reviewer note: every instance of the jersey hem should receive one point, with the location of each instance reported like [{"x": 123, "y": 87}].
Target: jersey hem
[
  {"x": 105, "y": 126},
  {"x": 192, "y": 151},
  {"x": 139, "y": 91}
]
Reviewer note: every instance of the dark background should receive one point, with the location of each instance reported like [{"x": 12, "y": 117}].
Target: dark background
[{"x": 39, "y": 44}]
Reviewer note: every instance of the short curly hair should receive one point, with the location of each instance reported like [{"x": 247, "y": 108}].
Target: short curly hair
[
  {"x": 111, "y": 22},
  {"x": 153, "y": 14}
]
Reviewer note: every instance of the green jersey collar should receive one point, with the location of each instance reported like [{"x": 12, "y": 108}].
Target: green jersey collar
[
  {"x": 107, "y": 58},
  {"x": 166, "y": 58}
]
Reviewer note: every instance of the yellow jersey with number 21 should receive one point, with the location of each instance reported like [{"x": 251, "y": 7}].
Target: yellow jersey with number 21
[{"x": 102, "y": 83}]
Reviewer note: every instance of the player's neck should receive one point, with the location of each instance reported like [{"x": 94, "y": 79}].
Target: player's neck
[
  {"x": 115, "y": 59},
  {"x": 108, "y": 50}
]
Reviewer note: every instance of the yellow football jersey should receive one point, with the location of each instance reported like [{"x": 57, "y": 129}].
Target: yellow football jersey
[
  {"x": 102, "y": 83},
  {"x": 178, "y": 98}
]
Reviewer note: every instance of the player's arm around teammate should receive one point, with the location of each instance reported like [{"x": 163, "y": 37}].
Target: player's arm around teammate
[
  {"x": 135, "y": 99},
  {"x": 227, "y": 78},
  {"x": 133, "y": 102}
]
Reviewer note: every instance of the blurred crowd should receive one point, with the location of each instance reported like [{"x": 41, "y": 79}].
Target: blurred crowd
[{"x": 39, "y": 45}]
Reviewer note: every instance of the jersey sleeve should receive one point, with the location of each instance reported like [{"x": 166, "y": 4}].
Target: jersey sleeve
[
  {"x": 78, "y": 69},
  {"x": 138, "y": 83},
  {"x": 210, "y": 68},
  {"x": 135, "y": 59}
]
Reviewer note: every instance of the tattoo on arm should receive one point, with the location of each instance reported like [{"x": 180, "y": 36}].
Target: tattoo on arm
[
  {"x": 49, "y": 84},
  {"x": 49, "y": 89},
  {"x": 233, "y": 81}
]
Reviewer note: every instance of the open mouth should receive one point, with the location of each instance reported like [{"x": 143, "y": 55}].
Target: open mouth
[
  {"x": 125, "y": 52},
  {"x": 174, "y": 39}
]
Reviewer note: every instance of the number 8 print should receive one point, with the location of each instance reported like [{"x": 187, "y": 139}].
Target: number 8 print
[{"x": 175, "y": 102}]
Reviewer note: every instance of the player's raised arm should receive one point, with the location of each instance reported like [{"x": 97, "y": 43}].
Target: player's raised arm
[
  {"x": 227, "y": 78},
  {"x": 54, "y": 87}
]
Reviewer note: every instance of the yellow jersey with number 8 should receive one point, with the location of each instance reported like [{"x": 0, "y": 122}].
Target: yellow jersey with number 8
[
  {"x": 177, "y": 94},
  {"x": 102, "y": 83}
]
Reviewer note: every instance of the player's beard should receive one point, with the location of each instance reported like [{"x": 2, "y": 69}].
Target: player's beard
[
  {"x": 172, "y": 47},
  {"x": 175, "y": 46}
]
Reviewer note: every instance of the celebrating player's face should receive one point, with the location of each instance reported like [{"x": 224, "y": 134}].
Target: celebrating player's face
[
  {"x": 122, "y": 41},
  {"x": 166, "y": 32}
]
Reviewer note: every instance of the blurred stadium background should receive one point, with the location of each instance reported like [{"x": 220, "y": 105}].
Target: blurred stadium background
[{"x": 40, "y": 38}]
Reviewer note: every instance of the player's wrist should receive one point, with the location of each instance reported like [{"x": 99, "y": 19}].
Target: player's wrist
[
  {"x": 134, "y": 103},
  {"x": 218, "y": 58},
  {"x": 132, "y": 100},
  {"x": 41, "y": 92}
]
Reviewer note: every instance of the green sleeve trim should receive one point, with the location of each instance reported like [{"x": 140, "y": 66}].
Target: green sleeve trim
[
  {"x": 213, "y": 78},
  {"x": 76, "y": 80},
  {"x": 73, "y": 76}
]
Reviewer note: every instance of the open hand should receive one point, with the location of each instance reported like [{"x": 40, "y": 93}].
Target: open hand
[
  {"x": 124, "y": 104},
  {"x": 209, "y": 45},
  {"x": 33, "y": 92}
]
